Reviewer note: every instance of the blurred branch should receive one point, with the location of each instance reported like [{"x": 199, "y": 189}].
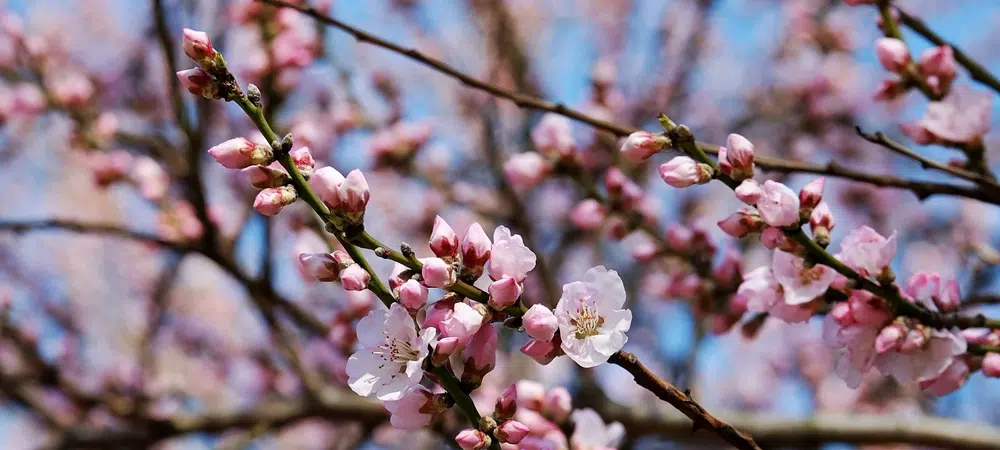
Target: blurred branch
[
  {"x": 976, "y": 70},
  {"x": 922, "y": 189},
  {"x": 23, "y": 226}
]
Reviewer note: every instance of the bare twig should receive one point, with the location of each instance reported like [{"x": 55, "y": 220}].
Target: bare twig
[{"x": 976, "y": 70}]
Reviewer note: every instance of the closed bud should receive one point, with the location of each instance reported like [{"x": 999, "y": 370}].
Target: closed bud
[
  {"x": 641, "y": 145},
  {"x": 938, "y": 65},
  {"x": 354, "y": 194},
  {"x": 589, "y": 214},
  {"x": 511, "y": 432},
  {"x": 354, "y": 278},
  {"x": 739, "y": 154},
  {"x": 444, "y": 240},
  {"x": 541, "y": 351},
  {"x": 742, "y": 223},
  {"x": 444, "y": 349},
  {"x": 263, "y": 177},
  {"x": 506, "y": 404},
  {"x": 890, "y": 338},
  {"x": 303, "y": 160},
  {"x": 558, "y": 404},
  {"x": 198, "y": 46},
  {"x": 504, "y": 292},
  {"x": 470, "y": 439},
  {"x": 326, "y": 183},
  {"x": 682, "y": 172},
  {"x": 525, "y": 170},
  {"x": 991, "y": 365},
  {"x": 892, "y": 53},
  {"x": 811, "y": 194},
  {"x": 270, "y": 201},
  {"x": 412, "y": 295},
  {"x": 240, "y": 153},
  {"x": 476, "y": 249},
  {"x": 438, "y": 273},
  {"x": 320, "y": 266},
  {"x": 199, "y": 83},
  {"x": 540, "y": 323},
  {"x": 748, "y": 191}
]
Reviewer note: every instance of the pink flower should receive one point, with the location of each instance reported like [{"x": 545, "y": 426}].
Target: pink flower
[
  {"x": 354, "y": 194},
  {"x": 949, "y": 381},
  {"x": 263, "y": 177},
  {"x": 411, "y": 411},
  {"x": 303, "y": 160},
  {"x": 412, "y": 295},
  {"x": 540, "y": 323},
  {"x": 443, "y": 241},
  {"x": 199, "y": 83},
  {"x": 589, "y": 214},
  {"x": 392, "y": 353},
  {"x": 889, "y": 90},
  {"x": 509, "y": 256},
  {"x": 511, "y": 431},
  {"x": 938, "y": 65},
  {"x": 320, "y": 266},
  {"x": 506, "y": 405},
  {"x": 892, "y": 53},
  {"x": 525, "y": 170},
  {"x": 991, "y": 365},
  {"x": 853, "y": 348},
  {"x": 592, "y": 318},
  {"x": 504, "y": 292},
  {"x": 963, "y": 116},
  {"x": 326, "y": 182},
  {"x": 821, "y": 217},
  {"x": 799, "y": 283},
  {"x": 812, "y": 193},
  {"x": 462, "y": 322},
  {"x": 866, "y": 251},
  {"x": 641, "y": 145},
  {"x": 553, "y": 136},
  {"x": 867, "y": 309},
  {"x": 438, "y": 273},
  {"x": 240, "y": 153},
  {"x": 198, "y": 46},
  {"x": 682, "y": 172},
  {"x": 741, "y": 223},
  {"x": 925, "y": 362},
  {"x": 476, "y": 249},
  {"x": 470, "y": 439},
  {"x": 890, "y": 338},
  {"x": 591, "y": 433},
  {"x": 934, "y": 292},
  {"x": 739, "y": 155},
  {"x": 558, "y": 404},
  {"x": 354, "y": 278},
  {"x": 778, "y": 205},
  {"x": 760, "y": 289},
  {"x": 270, "y": 201},
  {"x": 70, "y": 88},
  {"x": 109, "y": 167},
  {"x": 481, "y": 353},
  {"x": 543, "y": 352},
  {"x": 748, "y": 191}
]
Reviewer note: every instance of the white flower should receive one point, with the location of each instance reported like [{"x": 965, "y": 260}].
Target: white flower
[
  {"x": 391, "y": 355},
  {"x": 801, "y": 284},
  {"x": 592, "y": 323},
  {"x": 590, "y": 432},
  {"x": 510, "y": 256}
]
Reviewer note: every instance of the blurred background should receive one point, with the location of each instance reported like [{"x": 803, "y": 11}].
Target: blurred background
[{"x": 135, "y": 268}]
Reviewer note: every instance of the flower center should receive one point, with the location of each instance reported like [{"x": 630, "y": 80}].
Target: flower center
[
  {"x": 398, "y": 351},
  {"x": 808, "y": 276},
  {"x": 586, "y": 321}
]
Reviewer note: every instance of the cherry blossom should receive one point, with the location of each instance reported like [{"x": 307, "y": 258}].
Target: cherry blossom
[
  {"x": 392, "y": 353},
  {"x": 592, "y": 322},
  {"x": 591, "y": 433}
]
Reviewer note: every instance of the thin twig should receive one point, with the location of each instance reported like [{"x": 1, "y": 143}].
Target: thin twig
[{"x": 976, "y": 70}]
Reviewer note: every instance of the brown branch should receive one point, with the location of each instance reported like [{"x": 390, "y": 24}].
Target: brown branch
[
  {"x": 684, "y": 403},
  {"x": 23, "y": 226},
  {"x": 922, "y": 189},
  {"x": 976, "y": 70}
]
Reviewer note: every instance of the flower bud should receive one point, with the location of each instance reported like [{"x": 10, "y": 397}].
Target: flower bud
[
  {"x": 540, "y": 323},
  {"x": 890, "y": 338},
  {"x": 748, "y": 191},
  {"x": 892, "y": 53},
  {"x": 741, "y": 223},
  {"x": 412, "y": 295},
  {"x": 991, "y": 365},
  {"x": 320, "y": 266},
  {"x": 470, "y": 439},
  {"x": 589, "y": 214},
  {"x": 240, "y": 153},
  {"x": 354, "y": 194},
  {"x": 199, "y": 83},
  {"x": 506, "y": 405},
  {"x": 198, "y": 47},
  {"x": 739, "y": 154},
  {"x": 525, "y": 170},
  {"x": 683, "y": 171},
  {"x": 511, "y": 432},
  {"x": 504, "y": 292},
  {"x": 938, "y": 65},
  {"x": 480, "y": 354},
  {"x": 778, "y": 205},
  {"x": 325, "y": 183},
  {"x": 303, "y": 160},
  {"x": 558, "y": 404},
  {"x": 641, "y": 145},
  {"x": 811, "y": 194},
  {"x": 444, "y": 349},
  {"x": 438, "y": 273},
  {"x": 354, "y": 278},
  {"x": 444, "y": 241},
  {"x": 263, "y": 177},
  {"x": 541, "y": 351},
  {"x": 476, "y": 249},
  {"x": 270, "y": 201}
]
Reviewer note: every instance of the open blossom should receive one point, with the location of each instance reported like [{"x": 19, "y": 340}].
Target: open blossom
[
  {"x": 591, "y": 433},
  {"x": 592, "y": 322},
  {"x": 931, "y": 357},
  {"x": 778, "y": 205},
  {"x": 463, "y": 322},
  {"x": 392, "y": 353},
  {"x": 961, "y": 117},
  {"x": 414, "y": 409},
  {"x": 853, "y": 347},
  {"x": 762, "y": 293},
  {"x": 509, "y": 256},
  {"x": 932, "y": 291},
  {"x": 866, "y": 251},
  {"x": 799, "y": 283},
  {"x": 952, "y": 378}
]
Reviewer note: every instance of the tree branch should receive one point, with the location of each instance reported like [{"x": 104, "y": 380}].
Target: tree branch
[{"x": 976, "y": 70}]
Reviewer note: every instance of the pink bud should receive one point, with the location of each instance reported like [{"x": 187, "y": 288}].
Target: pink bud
[
  {"x": 748, "y": 191},
  {"x": 445, "y": 348},
  {"x": 354, "y": 193},
  {"x": 558, "y": 404},
  {"x": 778, "y": 205},
  {"x": 543, "y": 352},
  {"x": 890, "y": 338},
  {"x": 325, "y": 182},
  {"x": 724, "y": 166},
  {"x": 822, "y": 217},
  {"x": 525, "y": 170},
  {"x": 511, "y": 431},
  {"x": 303, "y": 161},
  {"x": 589, "y": 214},
  {"x": 812, "y": 193},
  {"x": 263, "y": 177},
  {"x": 444, "y": 241},
  {"x": 889, "y": 90},
  {"x": 991, "y": 365},
  {"x": 437, "y": 273},
  {"x": 892, "y": 53},
  {"x": 198, "y": 46},
  {"x": 683, "y": 171},
  {"x": 641, "y": 145},
  {"x": 948, "y": 297},
  {"x": 938, "y": 63},
  {"x": 739, "y": 154},
  {"x": 270, "y": 201},
  {"x": 470, "y": 439},
  {"x": 480, "y": 354},
  {"x": 342, "y": 259},
  {"x": 504, "y": 292},
  {"x": 476, "y": 248},
  {"x": 354, "y": 278},
  {"x": 199, "y": 83},
  {"x": 506, "y": 405},
  {"x": 741, "y": 223},
  {"x": 679, "y": 237},
  {"x": 540, "y": 323},
  {"x": 412, "y": 295},
  {"x": 320, "y": 266},
  {"x": 240, "y": 153}
]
